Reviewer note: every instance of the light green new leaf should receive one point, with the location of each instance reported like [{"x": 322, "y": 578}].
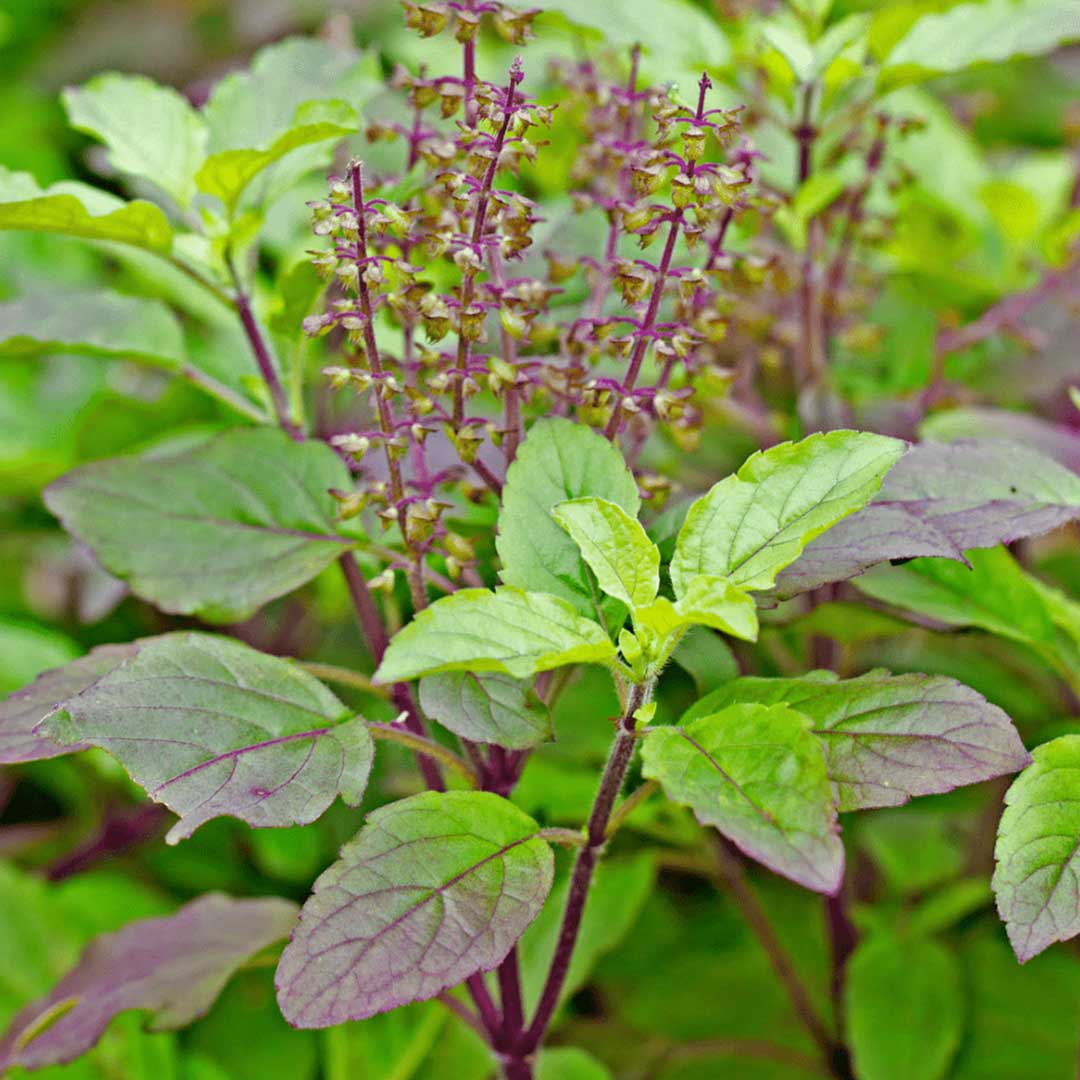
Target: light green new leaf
[
  {"x": 91, "y": 323},
  {"x": 214, "y": 531},
  {"x": 758, "y": 520},
  {"x": 210, "y": 727},
  {"x": 716, "y": 602},
  {"x": 79, "y": 210},
  {"x": 1037, "y": 880},
  {"x": 625, "y": 561},
  {"x": 559, "y": 460},
  {"x": 757, "y": 774},
  {"x": 227, "y": 173},
  {"x": 508, "y": 630},
  {"x": 486, "y": 708},
  {"x": 151, "y": 130},
  {"x": 915, "y": 979},
  {"x": 980, "y": 33},
  {"x": 708, "y": 601}
]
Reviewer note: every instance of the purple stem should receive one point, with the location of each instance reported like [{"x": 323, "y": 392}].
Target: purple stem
[
  {"x": 468, "y": 284},
  {"x": 642, "y": 342},
  {"x": 611, "y": 782},
  {"x": 265, "y": 361}
]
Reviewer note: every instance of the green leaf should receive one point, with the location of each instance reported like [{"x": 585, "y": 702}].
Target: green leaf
[
  {"x": 492, "y": 709},
  {"x": 918, "y": 980},
  {"x": 993, "y": 594},
  {"x": 615, "y": 547},
  {"x": 227, "y": 173},
  {"x": 570, "y": 1063},
  {"x": 433, "y": 889},
  {"x": 508, "y": 630},
  {"x": 92, "y": 323},
  {"x": 559, "y": 460},
  {"x": 253, "y": 108},
  {"x": 889, "y": 737},
  {"x": 706, "y": 658},
  {"x": 1037, "y": 880},
  {"x": 758, "y": 775},
  {"x": 980, "y": 33},
  {"x": 683, "y": 38},
  {"x": 211, "y": 727},
  {"x": 151, "y": 130},
  {"x": 1022, "y": 1020},
  {"x": 757, "y": 521},
  {"x": 79, "y": 210},
  {"x": 217, "y": 530}
]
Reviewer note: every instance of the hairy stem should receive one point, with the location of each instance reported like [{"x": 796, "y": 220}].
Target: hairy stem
[
  {"x": 611, "y": 782},
  {"x": 468, "y": 283},
  {"x": 382, "y": 402}
]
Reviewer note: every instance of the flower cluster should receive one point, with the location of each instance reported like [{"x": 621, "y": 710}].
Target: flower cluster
[{"x": 454, "y": 348}]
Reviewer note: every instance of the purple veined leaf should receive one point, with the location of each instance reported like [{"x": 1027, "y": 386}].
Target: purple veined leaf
[
  {"x": 210, "y": 727},
  {"x": 1037, "y": 878},
  {"x": 758, "y": 775},
  {"x": 890, "y": 737},
  {"x": 174, "y": 967},
  {"x": 433, "y": 889},
  {"x": 941, "y": 500},
  {"x": 22, "y": 711}
]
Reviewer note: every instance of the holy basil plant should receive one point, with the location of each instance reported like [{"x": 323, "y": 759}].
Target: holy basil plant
[
  {"x": 526, "y": 610},
  {"x": 438, "y": 888}
]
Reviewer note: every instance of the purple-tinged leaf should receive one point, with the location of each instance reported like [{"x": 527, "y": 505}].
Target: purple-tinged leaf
[
  {"x": 488, "y": 708},
  {"x": 941, "y": 500},
  {"x": 1054, "y": 440},
  {"x": 890, "y": 737},
  {"x": 175, "y": 967},
  {"x": 22, "y": 711},
  {"x": 1037, "y": 880},
  {"x": 211, "y": 727},
  {"x": 216, "y": 530},
  {"x": 758, "y": 775},
  {"x": 433, "y": 889}
]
